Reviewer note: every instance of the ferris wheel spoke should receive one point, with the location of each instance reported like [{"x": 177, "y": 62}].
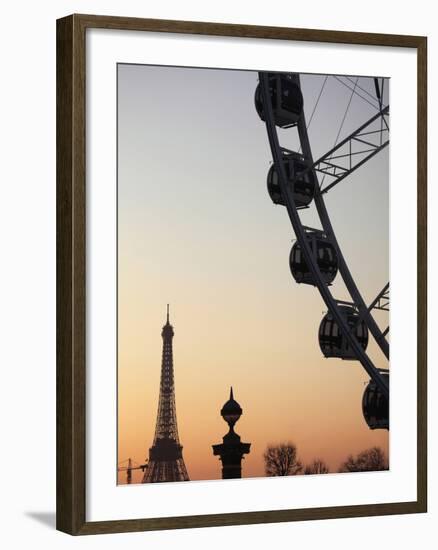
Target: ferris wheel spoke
[
  {"x": 366, "y": 92},
  {"x": 378, "y": 99},
  {"x": 354, "y": 91},
  {"x": 352, "y": 152},
  {"x": 381, "y": 302},
  {"x": 348, "y": 171}
]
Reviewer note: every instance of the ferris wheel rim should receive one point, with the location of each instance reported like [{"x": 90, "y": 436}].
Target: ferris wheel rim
[{"x": 299, "y": 230}]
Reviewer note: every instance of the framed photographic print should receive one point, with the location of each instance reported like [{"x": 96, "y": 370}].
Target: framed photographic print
[{"x": 241, "y": 238}]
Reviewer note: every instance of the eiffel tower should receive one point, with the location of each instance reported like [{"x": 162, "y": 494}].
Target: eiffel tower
[{"x": 166, "y": 462}]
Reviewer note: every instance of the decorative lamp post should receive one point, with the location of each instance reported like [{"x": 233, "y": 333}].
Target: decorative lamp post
[{"x": 231, "y": 451}]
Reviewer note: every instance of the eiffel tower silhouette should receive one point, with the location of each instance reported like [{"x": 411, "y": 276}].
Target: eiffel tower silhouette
[{"x": 166, "y": 462}]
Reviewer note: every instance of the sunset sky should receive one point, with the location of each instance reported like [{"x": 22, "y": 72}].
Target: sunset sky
[{"x": 197, "y": 229}]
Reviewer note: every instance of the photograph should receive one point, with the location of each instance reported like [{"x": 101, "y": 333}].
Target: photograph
[
  {"x": 253, "y": 268},
  {"x": 216, "y": 272}
]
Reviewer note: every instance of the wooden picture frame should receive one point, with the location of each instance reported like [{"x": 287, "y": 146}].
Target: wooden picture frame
[{"x": 71, "y": 272}]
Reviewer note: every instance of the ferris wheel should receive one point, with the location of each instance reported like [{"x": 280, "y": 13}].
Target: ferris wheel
[{"x": 316, "y": 258}]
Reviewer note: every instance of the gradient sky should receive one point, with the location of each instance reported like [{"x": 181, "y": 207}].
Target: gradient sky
[{"x": 197, "y": 229}]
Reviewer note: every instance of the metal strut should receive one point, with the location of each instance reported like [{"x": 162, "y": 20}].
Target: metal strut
[
  {"x": 286, "y": 190},
  {"x": 355, "y": 146},
  {"x": 381, "y": 301}
]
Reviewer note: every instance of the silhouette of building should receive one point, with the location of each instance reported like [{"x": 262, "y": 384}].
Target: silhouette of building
[
  {"x": 231, "y": 450},
  {"x": 166, "y": 462}
]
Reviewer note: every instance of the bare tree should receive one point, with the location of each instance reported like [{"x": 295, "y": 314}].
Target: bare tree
[
  {"x": 318, "y": 466},
  {"x": 282, "y": 460},
  {"x": 370, "y": 460}
]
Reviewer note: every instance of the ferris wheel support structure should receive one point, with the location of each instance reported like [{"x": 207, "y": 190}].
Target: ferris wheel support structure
[{"x": 330, "y": 301}]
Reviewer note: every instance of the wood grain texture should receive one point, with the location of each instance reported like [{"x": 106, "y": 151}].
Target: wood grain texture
[
  {"x": 247, "y": 518},
  {"x": 422, "y": 275},
  {"x": 70, "y": 387},
  {"x": 71, "y": 269},
  {"x": 247, "y": 31}
]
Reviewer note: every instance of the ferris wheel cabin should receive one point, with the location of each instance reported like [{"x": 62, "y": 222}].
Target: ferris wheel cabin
[
  {"x": 331, "y": 339},
  {"x": 302, "y": 185},
  {"x": 375, "y": 406},
  {"x": 286, "y": 99},
  {"x": 326, "y": 259}
]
